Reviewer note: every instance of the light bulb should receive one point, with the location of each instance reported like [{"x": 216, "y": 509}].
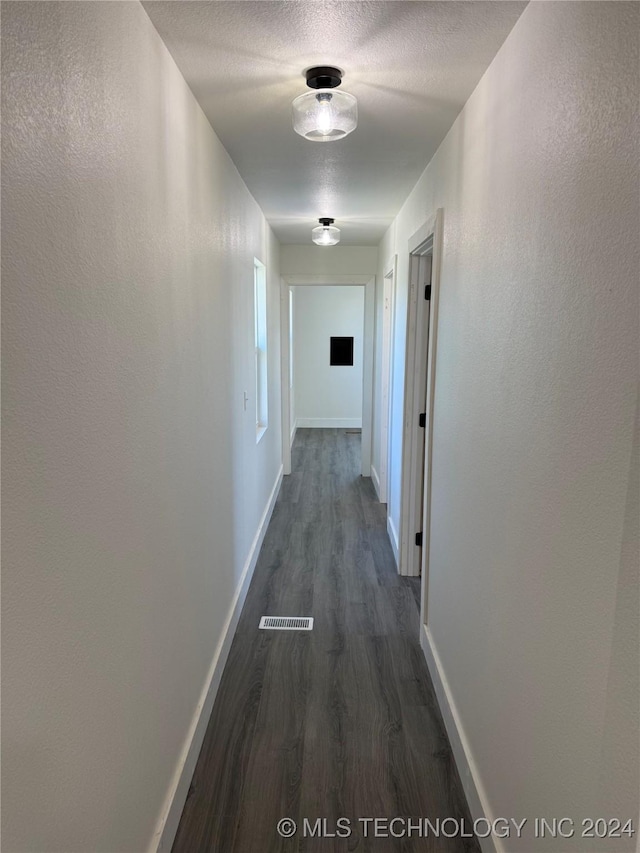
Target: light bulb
[{"x": 324, "y": 114}]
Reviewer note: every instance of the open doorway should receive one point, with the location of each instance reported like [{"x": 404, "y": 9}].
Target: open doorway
[
  {"x": 326, "y": 358},
  {"x": 424, "y": 264},
  {"x": 320, "y": 388}
]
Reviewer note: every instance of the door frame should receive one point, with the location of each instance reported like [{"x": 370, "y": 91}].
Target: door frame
[
  {"x": 369, "y": 284},
  {"x": 420, "y": 373},
  {"x": 386, "y": 375}
]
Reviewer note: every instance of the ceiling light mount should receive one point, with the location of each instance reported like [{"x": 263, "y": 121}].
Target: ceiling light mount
[
  {"x": 323, "y": 77},
  {"x": 324, "y": 114},
  {"x": 325, "y": 234}
]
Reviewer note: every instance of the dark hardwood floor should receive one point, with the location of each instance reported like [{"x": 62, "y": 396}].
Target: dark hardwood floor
[{"x": 339, "y": 722}]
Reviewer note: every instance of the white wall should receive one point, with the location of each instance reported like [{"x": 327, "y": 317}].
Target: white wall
[
  {"x": 533, "y": 587},
  {"x": 328, "y": 260},
  {"x": 327, "y": 396},
  {"x": 133, "y": 486}
]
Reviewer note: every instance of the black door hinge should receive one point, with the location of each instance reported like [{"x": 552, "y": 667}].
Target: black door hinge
[
  {"x": 427, "y": 292},
  {"x": 419, "y": 539},
  {"x": 422, "y": 420}
]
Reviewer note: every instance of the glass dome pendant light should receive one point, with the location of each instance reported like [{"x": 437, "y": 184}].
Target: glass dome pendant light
[
  {"x": 324, "y": 114},
  {"x": 325, "y": 234}
]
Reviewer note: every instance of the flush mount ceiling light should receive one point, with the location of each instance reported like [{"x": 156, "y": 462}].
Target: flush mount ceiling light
[
  {"x": 326, "y": 234},
  {"x": 325, "y": 114}
]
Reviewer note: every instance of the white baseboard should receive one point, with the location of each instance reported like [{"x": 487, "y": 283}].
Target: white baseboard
[
  {"x": 293, "y": 432},
  {"x": 330, "y": 423},
  {"x": 467, "y": 769},
  {"x": 165, "y": 833},
  {"x": 376, "y": 481},
  {"x": 393, "y": 538}
]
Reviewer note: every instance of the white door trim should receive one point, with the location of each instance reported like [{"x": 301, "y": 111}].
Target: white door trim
[
  {"x": 285, "y": 402},
  {"x": 386, "y": 373},
  {"x": 368, "y": 282},
  {"x": 431, "y": 382},
  {"x": 415, "y": 384},
  {"x": 419, "y": 390}
]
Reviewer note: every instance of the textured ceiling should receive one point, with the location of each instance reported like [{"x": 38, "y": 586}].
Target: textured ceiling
[{"x": 411, "y": 65}]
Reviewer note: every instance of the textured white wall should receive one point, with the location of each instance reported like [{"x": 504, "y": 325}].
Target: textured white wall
[
  {"x": 533, "y": 588},
  {"x": 324, "y": 393},
  {"x": 328, "y": 260},
  {"x": 133, "y": 485}
]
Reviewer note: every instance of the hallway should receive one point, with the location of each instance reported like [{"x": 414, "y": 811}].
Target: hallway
[
  {"x": 160, "y": 212},
  {"x": 337, "y": 722}
]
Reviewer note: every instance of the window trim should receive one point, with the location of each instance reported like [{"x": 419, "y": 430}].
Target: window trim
[{"x": 261, "y": 347}]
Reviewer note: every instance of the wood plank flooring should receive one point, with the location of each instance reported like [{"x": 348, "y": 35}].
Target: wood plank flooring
[{"x": 338, "y": 722}]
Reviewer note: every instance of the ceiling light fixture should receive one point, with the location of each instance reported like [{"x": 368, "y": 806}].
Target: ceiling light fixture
[
  {"x": 326, "y": 234},
  {"x": 325, "y": 114}
]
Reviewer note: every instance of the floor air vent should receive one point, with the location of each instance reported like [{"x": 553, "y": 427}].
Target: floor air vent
[{"x": 287, "y": 623}]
